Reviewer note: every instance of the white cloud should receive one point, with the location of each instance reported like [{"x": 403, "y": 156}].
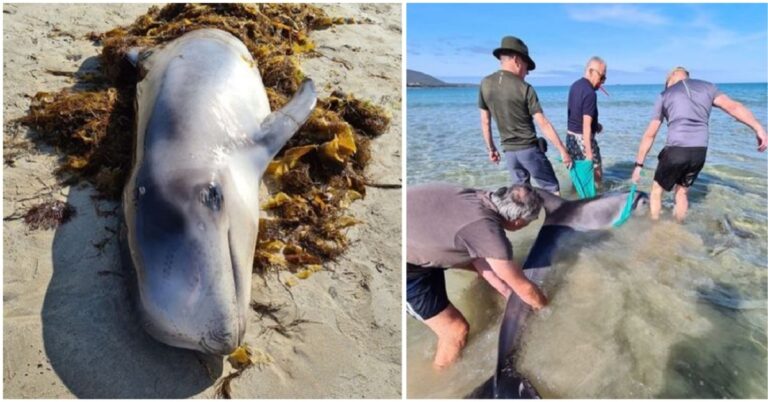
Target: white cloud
[
  {"x": 712, "y": 36},
  {"x": 613, "y": 14}
]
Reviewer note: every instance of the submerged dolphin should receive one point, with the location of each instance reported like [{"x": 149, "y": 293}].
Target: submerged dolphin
[
  {"x": 562, "y": 218},
  {"x": 204, "y": 137}
]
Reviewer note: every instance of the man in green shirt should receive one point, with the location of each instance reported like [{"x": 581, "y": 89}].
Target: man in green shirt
[{"x": 506, "y": 97}]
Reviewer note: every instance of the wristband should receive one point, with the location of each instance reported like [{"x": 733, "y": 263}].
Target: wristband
[{"x": 640, "y": 165}]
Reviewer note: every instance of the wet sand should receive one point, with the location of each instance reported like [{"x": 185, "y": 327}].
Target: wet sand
[{"x": 68, "y": 328}]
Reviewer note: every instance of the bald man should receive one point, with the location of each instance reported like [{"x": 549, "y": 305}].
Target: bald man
[
  {"x": 582, "y": 116},
  {"x": 686, "y": 105}
]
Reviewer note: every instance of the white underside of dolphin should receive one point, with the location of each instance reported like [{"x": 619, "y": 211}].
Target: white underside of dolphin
[{"x": 204, "y": 136}]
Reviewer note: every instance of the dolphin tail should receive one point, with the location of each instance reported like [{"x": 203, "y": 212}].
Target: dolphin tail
[
  {"x": 514, "y": 315},
  {"x": 281, "y": 124}
]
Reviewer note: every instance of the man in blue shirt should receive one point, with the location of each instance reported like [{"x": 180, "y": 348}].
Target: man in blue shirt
[
  {"x": 582, "y": 116},
  {"x": 686, "y": 105}
]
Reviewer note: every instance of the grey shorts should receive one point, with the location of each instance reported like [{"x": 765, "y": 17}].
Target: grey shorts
[{"x": 531, "y": 163}]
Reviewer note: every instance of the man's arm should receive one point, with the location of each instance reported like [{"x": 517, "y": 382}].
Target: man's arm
[
  {"x": 512, "y": 274},
  {"x": 587, "y": 136},
  {"x": 480, "y": 265},
  {"x": 551, "y": 134},
  {"x": 744, "y": 115},
  {"x": 645, "y": 146},
  {"x": 485, "y": 125}
]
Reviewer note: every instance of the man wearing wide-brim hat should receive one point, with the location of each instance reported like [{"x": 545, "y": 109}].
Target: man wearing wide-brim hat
[{"x": 513, "y": 103}]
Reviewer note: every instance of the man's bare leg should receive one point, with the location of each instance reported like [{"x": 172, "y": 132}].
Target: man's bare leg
[
  {"x": 681, "y": 203},
  {"x": 598, "y": 177},
  {"x": 655, "y": 203},
  {"x": 451, "y": 329}
]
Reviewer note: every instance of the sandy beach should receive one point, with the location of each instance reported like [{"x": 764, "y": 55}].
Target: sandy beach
[{"x": 68, "y": 328}]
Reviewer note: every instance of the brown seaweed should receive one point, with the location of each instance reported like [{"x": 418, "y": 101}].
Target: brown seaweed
[
  {"x": 49, "y": 215},
  {"x": 321, "y": 169}
]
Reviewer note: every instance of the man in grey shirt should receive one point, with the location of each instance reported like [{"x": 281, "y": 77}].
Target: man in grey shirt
[
  {"x": 505, "y": 96},
  {"x": 450, "y": 226},
  {"x": 686, "y": 105}
]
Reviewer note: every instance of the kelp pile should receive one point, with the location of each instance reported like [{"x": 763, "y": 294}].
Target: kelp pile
[
  {"x": 49, "y": 215},
  {"x": 314, "y": 178}
]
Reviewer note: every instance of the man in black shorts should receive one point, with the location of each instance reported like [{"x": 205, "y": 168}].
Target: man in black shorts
[
  {"x": 686, "y": 105},
  {"x": 454, "y": 227}
]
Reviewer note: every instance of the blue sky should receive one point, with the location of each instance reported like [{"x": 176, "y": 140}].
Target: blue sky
[{"x": 640, "y": 42}]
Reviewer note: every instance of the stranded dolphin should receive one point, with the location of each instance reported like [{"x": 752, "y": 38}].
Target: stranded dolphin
[
  {"x": 562, "y": 219},
  {"x": 204, "y": 137}
]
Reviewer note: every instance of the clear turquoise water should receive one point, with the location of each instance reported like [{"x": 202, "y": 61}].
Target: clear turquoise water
[
  {"x": 627, "y": 317},
  {"x": 445, "y": 142}
]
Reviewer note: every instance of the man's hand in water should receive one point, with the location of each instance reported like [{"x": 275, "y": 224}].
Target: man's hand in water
[{"x": 512, "y": 274}]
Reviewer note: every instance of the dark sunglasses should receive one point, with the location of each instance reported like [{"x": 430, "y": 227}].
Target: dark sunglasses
[{"x": 603, "y": 77}]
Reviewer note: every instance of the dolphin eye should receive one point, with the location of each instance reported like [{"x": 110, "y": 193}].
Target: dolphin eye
[{"x": 211, "y": 197}]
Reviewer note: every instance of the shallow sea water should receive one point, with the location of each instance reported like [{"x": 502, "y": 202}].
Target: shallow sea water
[{"x": 646, "y": 310}]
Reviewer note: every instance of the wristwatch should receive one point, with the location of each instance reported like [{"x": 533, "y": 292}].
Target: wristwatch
[{"x": 640, "y": 165}]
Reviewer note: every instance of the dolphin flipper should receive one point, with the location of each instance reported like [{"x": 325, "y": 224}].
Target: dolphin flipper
[{"x": 280, "y": 125}]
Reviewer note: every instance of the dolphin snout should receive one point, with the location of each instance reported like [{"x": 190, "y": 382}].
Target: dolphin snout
[
  {"x": 220, "y": 342},
  {"x": 194, "y": 307}
]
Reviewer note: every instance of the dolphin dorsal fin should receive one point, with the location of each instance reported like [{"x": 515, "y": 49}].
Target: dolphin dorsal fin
[
  {"x": 279, "y": 126},
  {"x": 551, "y": 201}
]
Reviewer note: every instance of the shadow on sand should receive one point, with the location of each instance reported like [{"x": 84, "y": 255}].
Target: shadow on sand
[{"x": 90, "y": 327}]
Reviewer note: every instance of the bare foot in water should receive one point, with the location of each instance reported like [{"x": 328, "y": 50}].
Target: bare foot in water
[{"x": 452, "y": 330}]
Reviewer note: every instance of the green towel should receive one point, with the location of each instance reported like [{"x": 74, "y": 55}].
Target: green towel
[
  {"x": 627, "y": 211},
  {"x": 583, "y": 178}
]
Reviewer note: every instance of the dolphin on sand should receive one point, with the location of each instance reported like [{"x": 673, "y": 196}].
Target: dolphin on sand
[{"x": 205, "y": 134}]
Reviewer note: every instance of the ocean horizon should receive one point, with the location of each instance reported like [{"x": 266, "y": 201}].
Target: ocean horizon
[{"x": 475, "y": 81}]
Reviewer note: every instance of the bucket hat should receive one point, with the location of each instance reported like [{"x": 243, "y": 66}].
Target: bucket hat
[{"x": 513, "y": 44}]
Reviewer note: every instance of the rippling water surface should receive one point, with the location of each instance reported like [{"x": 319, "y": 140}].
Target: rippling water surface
[{"x": 649, "y": 309}]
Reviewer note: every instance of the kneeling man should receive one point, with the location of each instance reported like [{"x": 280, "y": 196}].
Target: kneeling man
[{"x": 450, "y": 226}]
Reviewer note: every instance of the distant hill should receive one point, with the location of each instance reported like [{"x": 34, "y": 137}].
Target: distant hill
[{"x": 418, "y": 79}]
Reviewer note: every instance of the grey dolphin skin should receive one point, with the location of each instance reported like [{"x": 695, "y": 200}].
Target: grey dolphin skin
[
  {"x": 205, "y": 134},
  {"x": 562, "y": 218}
]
